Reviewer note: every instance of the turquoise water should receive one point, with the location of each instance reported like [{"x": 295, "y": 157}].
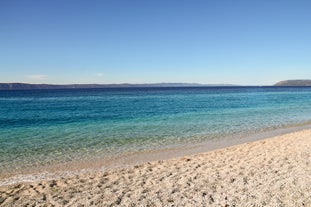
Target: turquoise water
[{"x": 41, "y": 127}]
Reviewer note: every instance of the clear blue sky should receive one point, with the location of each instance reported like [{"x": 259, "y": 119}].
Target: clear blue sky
[{"x": 113, "y": 41}]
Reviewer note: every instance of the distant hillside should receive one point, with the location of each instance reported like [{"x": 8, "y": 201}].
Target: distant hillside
[
  {"x": 26, "y": 86},
  {"x": 294, "y": 83}
]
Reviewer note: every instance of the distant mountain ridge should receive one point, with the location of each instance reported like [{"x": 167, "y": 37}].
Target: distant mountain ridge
[
  {"x": 27, "y": 86},
  {"x": 294, "y": 83}
]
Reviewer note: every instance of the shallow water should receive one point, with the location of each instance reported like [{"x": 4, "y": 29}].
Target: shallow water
[{"x": 42, "y": 127}]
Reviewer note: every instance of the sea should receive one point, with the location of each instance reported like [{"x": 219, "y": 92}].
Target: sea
[{"x": 46, "y": 127}]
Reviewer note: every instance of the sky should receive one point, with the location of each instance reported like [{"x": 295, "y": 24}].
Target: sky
[{"x": 150, "y": 41}]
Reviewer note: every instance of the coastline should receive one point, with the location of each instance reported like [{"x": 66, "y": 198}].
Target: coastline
[
  {"x": 272, "y": 171},
  {"x": 127, "y": 160},
  {"x": 119, "y": 128}
]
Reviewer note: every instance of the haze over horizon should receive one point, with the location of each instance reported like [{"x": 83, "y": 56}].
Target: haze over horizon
[{"x": 104, "y": 42}]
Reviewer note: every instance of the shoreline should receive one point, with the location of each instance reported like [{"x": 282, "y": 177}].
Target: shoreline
[
  {"x": 137, "y": 158},
  {"x": 268, "y": 172}
]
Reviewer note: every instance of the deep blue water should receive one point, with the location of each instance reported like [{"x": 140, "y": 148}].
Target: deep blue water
[{"x": 40, "y": 127}]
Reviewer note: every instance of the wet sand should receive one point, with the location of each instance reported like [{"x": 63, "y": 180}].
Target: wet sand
[{"x": 270, "y": 172}]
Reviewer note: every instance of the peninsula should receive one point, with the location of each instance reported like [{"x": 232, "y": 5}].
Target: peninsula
[{"x": 294, "y": 83}]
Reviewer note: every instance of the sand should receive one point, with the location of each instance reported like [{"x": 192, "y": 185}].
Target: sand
[{"x": 270, "y": 172}]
